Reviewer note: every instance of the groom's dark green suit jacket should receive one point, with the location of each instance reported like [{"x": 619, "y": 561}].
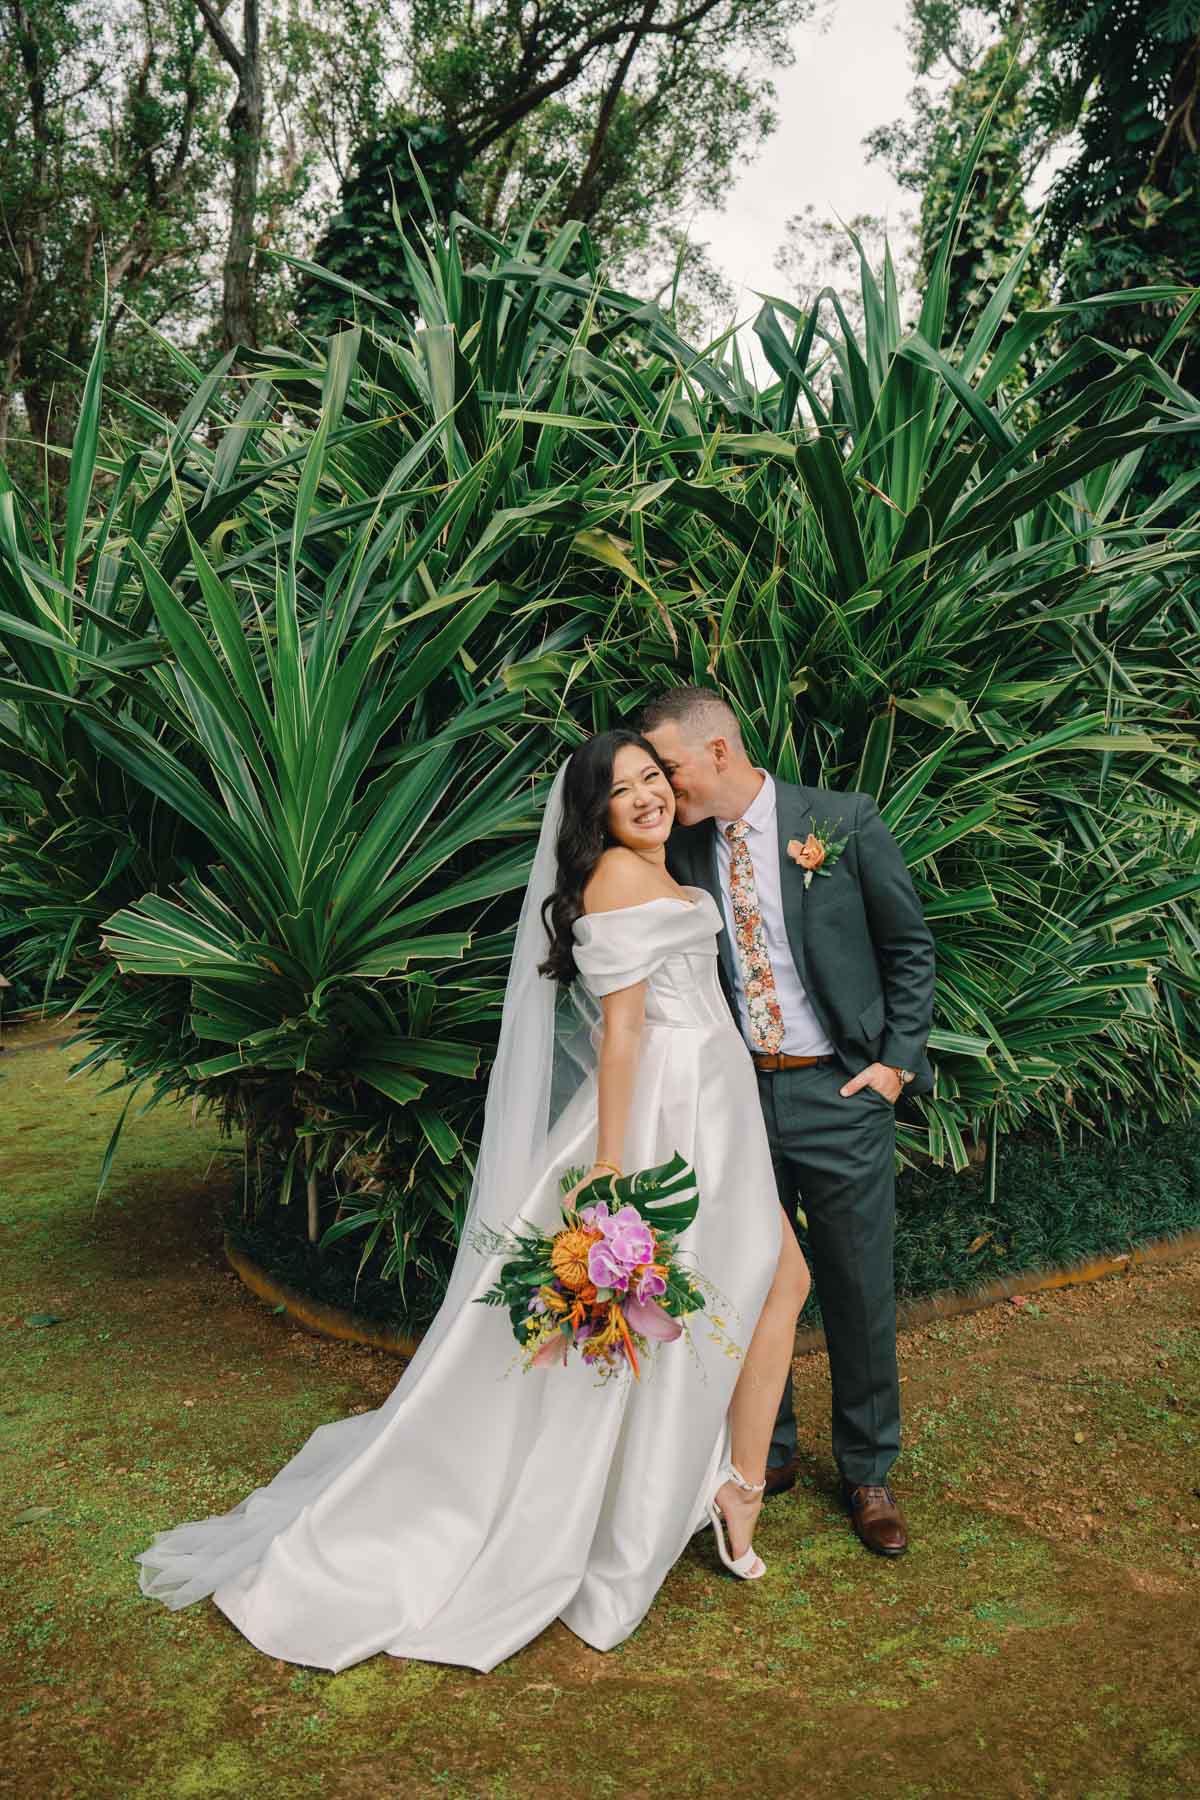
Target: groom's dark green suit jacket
[{"x": 857, "y": 932}]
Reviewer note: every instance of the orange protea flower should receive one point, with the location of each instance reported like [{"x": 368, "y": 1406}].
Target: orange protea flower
[{"x": 569, "y": 1257}]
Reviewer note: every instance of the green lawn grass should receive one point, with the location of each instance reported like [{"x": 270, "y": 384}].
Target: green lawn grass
[{"x": 1039, "y": 1639}]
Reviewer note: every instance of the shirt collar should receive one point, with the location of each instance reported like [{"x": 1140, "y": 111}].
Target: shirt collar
[{"x": 760, "y": 813}]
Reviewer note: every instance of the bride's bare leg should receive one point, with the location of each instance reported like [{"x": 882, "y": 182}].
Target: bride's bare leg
[{"x": 759, "y": 1387}]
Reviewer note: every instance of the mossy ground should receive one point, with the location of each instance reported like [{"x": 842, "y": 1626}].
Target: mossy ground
[{"x": 1041, "y": 1638}]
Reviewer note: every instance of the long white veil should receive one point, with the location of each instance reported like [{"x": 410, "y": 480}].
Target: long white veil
[{"x": 543, "y": 1057}]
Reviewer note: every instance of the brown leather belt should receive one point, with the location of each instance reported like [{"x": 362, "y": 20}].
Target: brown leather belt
[{"x": 771, "y": 1061}]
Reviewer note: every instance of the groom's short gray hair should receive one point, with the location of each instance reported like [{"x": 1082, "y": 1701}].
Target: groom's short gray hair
[{"x": 699, "y": 713}]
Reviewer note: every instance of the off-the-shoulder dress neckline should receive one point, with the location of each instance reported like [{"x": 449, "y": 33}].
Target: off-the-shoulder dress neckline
[{"x": 659, "y": 900}]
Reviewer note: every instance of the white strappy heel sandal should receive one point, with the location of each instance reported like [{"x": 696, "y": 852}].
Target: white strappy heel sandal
[{"x": 749, "y": 1566}]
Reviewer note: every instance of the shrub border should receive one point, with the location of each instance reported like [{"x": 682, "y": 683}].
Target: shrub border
[
  {"x": 316, "y": 1315},
  {"x": 330, "y": 1321}
]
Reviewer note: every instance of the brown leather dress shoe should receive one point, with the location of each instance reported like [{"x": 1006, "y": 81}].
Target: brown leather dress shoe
[
  {"x": 784, "y": 1477},
  {"x": 876, "y": 1517}
]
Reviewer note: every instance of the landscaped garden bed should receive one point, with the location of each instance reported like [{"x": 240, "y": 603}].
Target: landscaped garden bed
[{"x": 1055, "y": 1207}]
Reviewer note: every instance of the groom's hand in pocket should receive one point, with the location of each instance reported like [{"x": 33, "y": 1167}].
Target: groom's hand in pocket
[{"x": 885, "y": 1081}]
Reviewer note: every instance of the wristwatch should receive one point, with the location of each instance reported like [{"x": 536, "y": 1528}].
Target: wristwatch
[{"x": 906, "y": 1075}]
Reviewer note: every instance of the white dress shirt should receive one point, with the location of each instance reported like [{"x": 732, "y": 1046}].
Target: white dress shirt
[{"x": 802, "y": 1033}]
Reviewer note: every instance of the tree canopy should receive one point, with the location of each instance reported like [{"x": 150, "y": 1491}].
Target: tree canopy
[
  {"x": 1110, "y": 91},
  {"x": 620, "y": 114},
  {"x": 181, "y": 149}
]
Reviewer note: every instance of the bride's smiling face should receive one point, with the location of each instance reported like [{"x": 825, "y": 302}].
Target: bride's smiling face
[{"x": 641, "y": 806}]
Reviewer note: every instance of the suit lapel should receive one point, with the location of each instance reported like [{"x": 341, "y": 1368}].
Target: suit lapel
[
  {"x": 793, "y": 819},
  {"x": 703, "y": 872},
  {"x": 712, "y": 881}
]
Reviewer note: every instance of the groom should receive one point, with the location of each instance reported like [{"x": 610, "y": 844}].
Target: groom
[{"x": 827, "y": 964}]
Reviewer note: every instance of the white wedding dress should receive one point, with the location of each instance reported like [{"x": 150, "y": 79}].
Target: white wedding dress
[{"x": 480, "y": 1502}]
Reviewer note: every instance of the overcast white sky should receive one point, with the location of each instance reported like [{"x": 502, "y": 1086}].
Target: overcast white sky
[{"x": 846, "y": 79}]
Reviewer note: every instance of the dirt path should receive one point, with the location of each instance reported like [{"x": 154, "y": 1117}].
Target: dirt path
[{"x": 1040, "y": 1639}]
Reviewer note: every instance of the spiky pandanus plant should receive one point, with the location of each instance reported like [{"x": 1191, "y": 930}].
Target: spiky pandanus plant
[
  {"x": 310, "y": 651},
  {"x": 1005, "y": 656},
  {"x": 303, "y": 658}
]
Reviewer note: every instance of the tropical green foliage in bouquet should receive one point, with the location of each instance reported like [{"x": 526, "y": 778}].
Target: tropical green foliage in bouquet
[{"x": 609, "y": 1281}]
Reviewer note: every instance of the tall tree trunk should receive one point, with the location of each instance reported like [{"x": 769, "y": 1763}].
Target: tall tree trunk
[
  {"x": 586, "y": 198},
  {"x": 38, "y": 401},
  {"x": 13, "y": 337},
  {"x": 27, "y": 246},
  {"x": 245, "y": 150},
  {"x": 245, "y": 138}
]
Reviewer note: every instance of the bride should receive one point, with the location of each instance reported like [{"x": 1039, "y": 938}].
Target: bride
[{"x": 481, "y": 1502}]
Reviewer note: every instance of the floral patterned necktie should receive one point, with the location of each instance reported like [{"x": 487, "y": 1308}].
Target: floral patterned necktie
[{"x": 758, "y": 977}]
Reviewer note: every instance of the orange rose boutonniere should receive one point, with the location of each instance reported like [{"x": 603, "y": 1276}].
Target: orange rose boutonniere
[{"x": 817, "y": 854}]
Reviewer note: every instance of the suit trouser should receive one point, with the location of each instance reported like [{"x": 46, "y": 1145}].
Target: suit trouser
[{"x": 834, "y": 1156}]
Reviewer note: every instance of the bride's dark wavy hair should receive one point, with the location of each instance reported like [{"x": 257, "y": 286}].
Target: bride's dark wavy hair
[{"x": 583, "y": 837}]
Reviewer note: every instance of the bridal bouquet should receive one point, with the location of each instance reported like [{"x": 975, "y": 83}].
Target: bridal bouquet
[{"x": 607, "y": 1283}]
